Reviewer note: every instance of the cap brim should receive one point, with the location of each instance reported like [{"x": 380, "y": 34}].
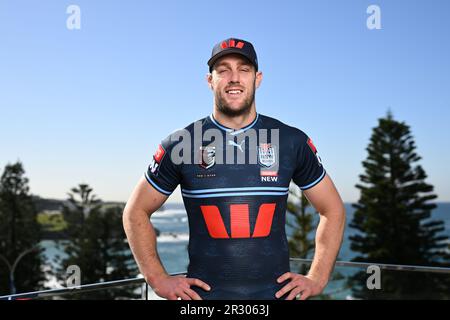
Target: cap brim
[{"x": 214, "y": 59}]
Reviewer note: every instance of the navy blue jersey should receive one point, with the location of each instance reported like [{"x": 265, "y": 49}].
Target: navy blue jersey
[{"x": 237, "y": 211}]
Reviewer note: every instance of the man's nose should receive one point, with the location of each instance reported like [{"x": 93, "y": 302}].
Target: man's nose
[{"x": 234, "y": 77}]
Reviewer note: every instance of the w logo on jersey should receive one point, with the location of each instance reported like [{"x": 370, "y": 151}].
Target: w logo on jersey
[{"x": 239, "y": 221}]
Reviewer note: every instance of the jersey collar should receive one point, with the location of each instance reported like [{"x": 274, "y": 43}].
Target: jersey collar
[{"x": 233, "y": 131}]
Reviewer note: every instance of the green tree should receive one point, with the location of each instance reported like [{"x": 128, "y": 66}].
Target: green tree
[
  {"x": 20, "y": 234},
  {"x": 96, "y": 243},
  {"x": 392, "y": 218}
]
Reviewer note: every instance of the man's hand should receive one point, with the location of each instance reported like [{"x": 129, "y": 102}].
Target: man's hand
[
  {"x": 178, "y": 287},
  {"x": 299, "y": 284}
]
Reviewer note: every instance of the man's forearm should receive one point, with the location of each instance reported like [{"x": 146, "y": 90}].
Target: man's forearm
[
  {"x": 142, "y": 240},
  {"x": 328, "y": 242}
]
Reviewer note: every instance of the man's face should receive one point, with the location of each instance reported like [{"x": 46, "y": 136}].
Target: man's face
[{"x": 234, "y": 81}]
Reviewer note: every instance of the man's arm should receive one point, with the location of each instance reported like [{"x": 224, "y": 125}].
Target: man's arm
[
  {"x": 143, "y": 202},
  {"x": 326, "y": 200}
]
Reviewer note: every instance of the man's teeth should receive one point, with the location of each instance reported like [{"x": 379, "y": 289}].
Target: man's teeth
[{"x": 234, "y": 91}]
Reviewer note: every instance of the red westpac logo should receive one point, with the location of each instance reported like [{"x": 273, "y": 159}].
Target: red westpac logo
[
  {"x": 239, "y": 221},
  {"x": 232, "y": 44}
]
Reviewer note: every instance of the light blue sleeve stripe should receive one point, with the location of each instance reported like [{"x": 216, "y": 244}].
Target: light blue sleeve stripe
[
  {"x": 168, "y": 193},
  {"x": 232, "y": 194},
  {"x": 315, "y": 182},
  {"x": 235, "y": 189}
]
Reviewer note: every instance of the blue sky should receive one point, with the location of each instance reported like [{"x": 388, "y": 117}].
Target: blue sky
[{"x": 91, "y": 105}]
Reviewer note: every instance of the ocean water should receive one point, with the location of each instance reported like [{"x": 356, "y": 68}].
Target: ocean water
[{"x": 173, "y": 240}]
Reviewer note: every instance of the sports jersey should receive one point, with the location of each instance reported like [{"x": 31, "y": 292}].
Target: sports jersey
[{"x": 237, "y": 211}]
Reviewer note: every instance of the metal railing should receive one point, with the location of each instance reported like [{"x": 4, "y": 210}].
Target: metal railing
[
  {"x": 396, "y": 267},
  {"x": 75, "y": 289},
  {"x": 84, "y": 288},
  {"x": 145, "y": 286}
]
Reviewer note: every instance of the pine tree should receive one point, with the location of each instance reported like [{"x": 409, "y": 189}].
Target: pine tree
[
  {"x": 96, "y": 244},
  {"x": 20, "y": 234},
  {"x": 392, "y": 217}
]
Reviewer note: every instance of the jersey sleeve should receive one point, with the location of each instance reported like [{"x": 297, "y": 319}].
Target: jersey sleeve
[
  {"x": 309, "y": 169},
  {"x": 162, "y": 173}
]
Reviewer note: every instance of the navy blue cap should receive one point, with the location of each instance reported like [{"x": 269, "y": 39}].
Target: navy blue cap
[{"x": 233, "y": 45}]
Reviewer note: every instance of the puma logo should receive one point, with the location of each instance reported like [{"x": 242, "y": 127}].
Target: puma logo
[{"x": 232, "y": 143}]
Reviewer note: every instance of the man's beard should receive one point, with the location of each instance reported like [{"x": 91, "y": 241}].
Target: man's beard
[{"x": 227, "y": 110}]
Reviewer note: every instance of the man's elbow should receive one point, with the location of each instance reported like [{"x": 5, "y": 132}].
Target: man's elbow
[
  {"x": 131, "y": 216},
  {"x": 340, "y": 212},
  {"x": 126, "y": 218},
  {"x": 337, "y": 214}
]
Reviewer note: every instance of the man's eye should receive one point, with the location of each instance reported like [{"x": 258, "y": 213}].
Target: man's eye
[
  {"x": 245, "y": 69},
  {"x": 222, "y": 71}
]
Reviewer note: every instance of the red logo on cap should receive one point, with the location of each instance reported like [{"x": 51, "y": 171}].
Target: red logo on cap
[{"x": 232, "y": 44}]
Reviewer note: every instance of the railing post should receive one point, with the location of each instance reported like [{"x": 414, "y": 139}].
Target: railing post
[{"x": 144, "y": 291}]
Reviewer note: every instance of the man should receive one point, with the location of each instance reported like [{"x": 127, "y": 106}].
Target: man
[{"x": 236, "y": 209}]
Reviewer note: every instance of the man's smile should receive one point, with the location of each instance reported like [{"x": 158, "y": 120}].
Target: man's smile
[{"x": 234, "y": 92}]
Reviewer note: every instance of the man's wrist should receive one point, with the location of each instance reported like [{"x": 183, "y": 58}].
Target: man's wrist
[
  {"x": 320, "y": 280},
  {"x": 152, "y": 279}
]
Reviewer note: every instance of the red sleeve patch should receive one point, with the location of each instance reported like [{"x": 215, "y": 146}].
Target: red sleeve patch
[
  {"x": 312, "y": 146},
  {"x": 159, "y": 154}
]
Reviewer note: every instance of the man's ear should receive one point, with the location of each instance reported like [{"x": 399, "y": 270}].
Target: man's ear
[
  {"x": 209, "y": 80},
  {"x": 259, "y": 77}
]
